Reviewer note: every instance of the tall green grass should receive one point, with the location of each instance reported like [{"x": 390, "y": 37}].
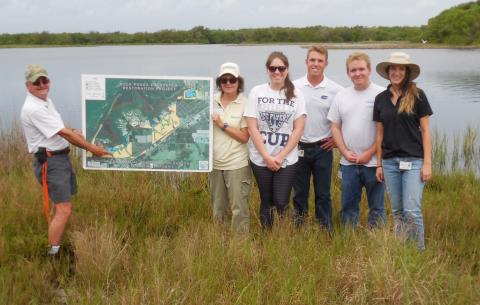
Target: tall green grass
[
  {"x": 148, "y": 238},
  {"x": 462, "y": 154},
  {"x": 470, "y": 147}
]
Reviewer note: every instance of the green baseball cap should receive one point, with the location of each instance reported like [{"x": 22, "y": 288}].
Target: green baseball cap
[{"x": 33, "y": 72}]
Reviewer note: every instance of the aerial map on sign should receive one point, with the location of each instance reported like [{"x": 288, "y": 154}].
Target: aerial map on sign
[{"x": 148, "y": 123}]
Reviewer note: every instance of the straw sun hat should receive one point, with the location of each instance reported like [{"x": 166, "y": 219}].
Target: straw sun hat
[{"x": 398, "y": 58}]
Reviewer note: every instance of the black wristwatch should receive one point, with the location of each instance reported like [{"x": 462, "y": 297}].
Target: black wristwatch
[{"x": 225, "y": 125}]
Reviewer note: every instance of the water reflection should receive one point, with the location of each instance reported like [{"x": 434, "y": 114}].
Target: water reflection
[
  {"x": 464, "y": 86},
  {"x": 450, "y": 78}
]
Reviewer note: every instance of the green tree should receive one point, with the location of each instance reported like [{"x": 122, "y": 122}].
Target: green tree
[{"x": 457, "y": 25}]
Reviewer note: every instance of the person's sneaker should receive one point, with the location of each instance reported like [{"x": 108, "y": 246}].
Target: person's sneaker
[{"x": 53, "y": 251}]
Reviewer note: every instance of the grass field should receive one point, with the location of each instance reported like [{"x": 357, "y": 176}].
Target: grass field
[{"x": 148, "y": 238}]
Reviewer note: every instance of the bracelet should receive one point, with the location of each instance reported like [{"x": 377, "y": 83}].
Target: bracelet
[{"x": 379, "y": 166}]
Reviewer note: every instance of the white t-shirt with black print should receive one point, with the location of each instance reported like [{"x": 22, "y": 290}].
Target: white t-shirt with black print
[{"x": 275, "y": 117}]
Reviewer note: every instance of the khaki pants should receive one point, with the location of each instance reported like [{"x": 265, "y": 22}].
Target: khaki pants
[{"x": 231, "y": 188}]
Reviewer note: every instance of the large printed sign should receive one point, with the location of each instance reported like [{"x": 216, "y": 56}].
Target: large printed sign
[{"x": 148, "y": 123}]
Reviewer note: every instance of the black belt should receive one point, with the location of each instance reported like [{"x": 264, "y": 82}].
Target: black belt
[
  {"x": 42, "y": 154},
  {"x": 313, "y": 144},
  {"x": 64, "y": 151}
]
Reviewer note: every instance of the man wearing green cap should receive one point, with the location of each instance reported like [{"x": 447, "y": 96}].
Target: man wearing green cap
[{"x": 48, "y": 138}]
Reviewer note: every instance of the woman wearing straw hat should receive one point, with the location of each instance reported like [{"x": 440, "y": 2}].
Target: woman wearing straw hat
[
  {"x": 231, "y": 178},
  {"x": 403, "y": 143}
]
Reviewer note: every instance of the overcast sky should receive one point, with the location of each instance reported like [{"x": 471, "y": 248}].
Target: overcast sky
[{"x": 20, "y": 16}]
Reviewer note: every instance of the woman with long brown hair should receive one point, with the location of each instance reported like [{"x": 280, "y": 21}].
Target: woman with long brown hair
[
  {"x": 275, "y": 116},
  {"x": 403, "y": 144}
]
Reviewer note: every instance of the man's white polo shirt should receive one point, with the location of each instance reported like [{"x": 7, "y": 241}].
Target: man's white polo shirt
[
  {"x": 318, "y": 100},
  {"x": 41, "y": 122}
]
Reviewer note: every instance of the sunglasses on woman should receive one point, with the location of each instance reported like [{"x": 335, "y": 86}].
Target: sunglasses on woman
[
  {"x": 41, "y": 80},
  {"x": 225, "y": 80},
  {"x": 275, "y": 68}
]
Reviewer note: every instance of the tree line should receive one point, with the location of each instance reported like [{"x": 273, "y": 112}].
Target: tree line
[
  {"x": 203, "y": 35},
  {"x": 458, "y": 25}
]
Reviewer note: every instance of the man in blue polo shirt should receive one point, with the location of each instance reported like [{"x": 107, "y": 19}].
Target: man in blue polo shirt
[{"x": 48, "y": 138}]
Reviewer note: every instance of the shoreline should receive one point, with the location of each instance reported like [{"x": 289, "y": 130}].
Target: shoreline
[
  {"x": 329, "y": 45},
  {"x": 395, "y": 45}
]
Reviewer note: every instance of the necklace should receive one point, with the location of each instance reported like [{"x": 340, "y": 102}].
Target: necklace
[
  {"x": 395, "y": 95},
  {"x": 396, "y": 92}
]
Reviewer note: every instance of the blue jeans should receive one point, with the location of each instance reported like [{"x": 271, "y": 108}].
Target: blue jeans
[
  {"x": 317, "y": 162},
  {"x": 354, "y": 177},
  {"x": 405, "y": 188}
]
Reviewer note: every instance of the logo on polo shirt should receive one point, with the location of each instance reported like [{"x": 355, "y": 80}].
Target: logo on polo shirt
[{"x": 324, "y": 97}]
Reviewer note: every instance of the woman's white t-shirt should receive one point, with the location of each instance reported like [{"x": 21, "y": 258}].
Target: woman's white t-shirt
[{"x": 275, "y": 117}]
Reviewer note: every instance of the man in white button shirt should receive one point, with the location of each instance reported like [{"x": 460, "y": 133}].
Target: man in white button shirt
[
  {"x": 48, "y": 138},
  {"x": 315, "y": 146}
]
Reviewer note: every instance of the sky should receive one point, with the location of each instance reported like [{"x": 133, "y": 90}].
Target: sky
[{"x": 130, "y": 16}]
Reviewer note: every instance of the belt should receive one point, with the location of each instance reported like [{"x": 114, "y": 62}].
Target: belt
[
  {"x": 42, "y": 153},
  {"x": 64, "y": 151},
  {"x": 313, "y": 144}
]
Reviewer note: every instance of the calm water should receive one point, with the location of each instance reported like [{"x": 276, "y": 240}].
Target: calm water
[{"x": 450, "y": 78}]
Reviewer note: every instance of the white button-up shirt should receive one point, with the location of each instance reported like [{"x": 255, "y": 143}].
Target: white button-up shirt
[{"x": 41, "y": 123}]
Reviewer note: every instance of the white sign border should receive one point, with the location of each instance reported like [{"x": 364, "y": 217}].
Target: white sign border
[{"x": 85, "y": 77}]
